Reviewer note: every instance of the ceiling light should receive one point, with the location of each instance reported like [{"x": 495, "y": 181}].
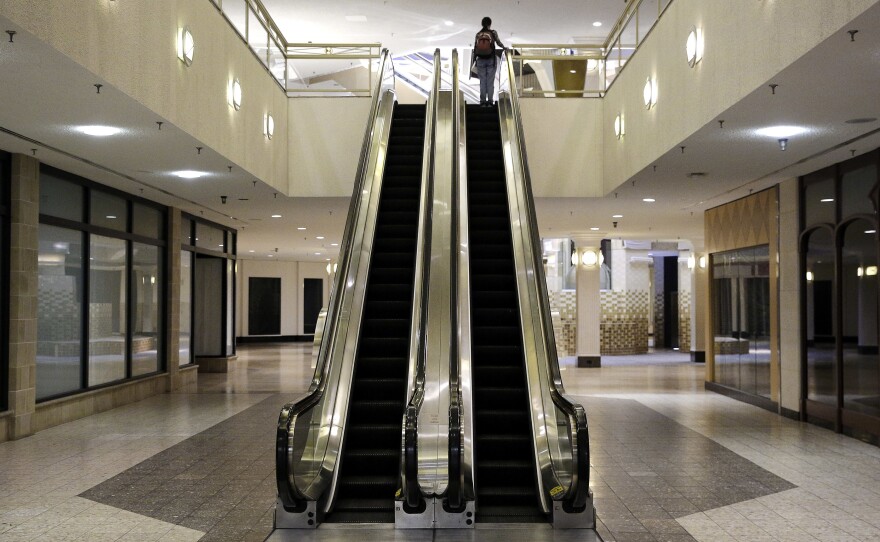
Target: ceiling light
[
  {"x": 783, "y": 144},
  {"x": 301, "y": 228},
  {"x": 98, "y": 131},
  {"x": 276, "y": 216},
  {"x": 597, "y": 24},
  {"x": 809, "y": 276},
  {"x": 616, "y": 216},
  {"x": 188, "y": 174},
  {"x": 619, "y": 127},
  {"x": 780, "y": 131},
  {"x": 186, "y": 46},
  {"x": 111, "y": 217},
  {"x": 648, "y": 200},
  {"x": 317, "y": 253},
  {"x": 271, "y": 255},
  {"x": 235, "y": 94},
  {"x": 693, "y": 47},
  {"x": 448, "y": 23},
  {"x": 251, "y": 250},
  {"x": 319, "y": 237},
  {"x": 594, "y": 229},
  {"x": 334, "y": 244},
  {"x": 572, "y": 71},
  {"x": 826, "y": 200},
  {"x": 870, "y": 231}
]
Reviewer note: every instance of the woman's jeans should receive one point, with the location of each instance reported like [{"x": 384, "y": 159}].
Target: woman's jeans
[{"x": 486, "y": 73}]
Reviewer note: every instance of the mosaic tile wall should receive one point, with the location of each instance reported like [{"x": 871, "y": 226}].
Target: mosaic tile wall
[
  {"x": 564, "y": 303},
  {"x": 684, "y": 320},
  {"x": 624, "y": 325}
]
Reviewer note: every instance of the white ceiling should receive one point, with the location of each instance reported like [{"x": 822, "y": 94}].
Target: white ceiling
[{"x": 835, "y": 82}]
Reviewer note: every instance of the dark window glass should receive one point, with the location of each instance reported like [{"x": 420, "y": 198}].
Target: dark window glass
[
  {"x": 107, "y": 309},
  {"x": 59, "y": 197},
  {"x": 819, "y": 197},
  {"x": 147, "y": 221},
  {"x": 820, "y": 317},
  {"x": 108, "y": 211},
  {"x": 861, "y": 378},
  {"x": 209, "y": 237},
  {"x": 186, "y": 294},
  {"x": 186, "y": 231},
  {"x": 856, "y": 184}
]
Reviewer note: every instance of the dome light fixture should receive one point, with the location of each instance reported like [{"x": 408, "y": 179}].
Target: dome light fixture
[
  {"x": 98, "y": 131},
  {"x": 186, "y": 46},
  {"x": 649, "y": 93},
  {"x": 235, "y": 94},
  {"x": 268, "y": 126},
  {"x": 693, "y": 47},
  {"x": 619, "y": 127}
]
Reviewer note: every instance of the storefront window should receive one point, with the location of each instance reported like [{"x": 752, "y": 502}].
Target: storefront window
[
  {"x": 59, "y": 311},
  {"x": 146, "y": 282},
  {"x": 107, "y": 309},
  {"x": 186, "y": 259}
]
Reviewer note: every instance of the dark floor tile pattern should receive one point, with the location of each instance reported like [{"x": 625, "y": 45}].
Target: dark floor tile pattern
[
  {"x": 647, "y": 471},
  {"x": 220, "y": 481}
]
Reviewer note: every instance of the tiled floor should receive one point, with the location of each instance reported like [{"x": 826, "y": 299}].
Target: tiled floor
[{"x": 670, "y": 463}]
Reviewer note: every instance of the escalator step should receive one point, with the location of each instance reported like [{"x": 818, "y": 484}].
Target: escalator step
[
  {"x": 382, "y": 282},
  {"x": 378, "y": 387}
]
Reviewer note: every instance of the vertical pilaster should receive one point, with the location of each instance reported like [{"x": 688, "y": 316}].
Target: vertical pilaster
[
  {"x": 589, "y": 310},
  {"x": 23, "y": 286},
  {"x": 700, "y": 279},
  {"x": 172, "y": 296}
]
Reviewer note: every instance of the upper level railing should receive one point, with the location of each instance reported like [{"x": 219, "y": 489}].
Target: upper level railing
[{"x": 340, "y": 69}]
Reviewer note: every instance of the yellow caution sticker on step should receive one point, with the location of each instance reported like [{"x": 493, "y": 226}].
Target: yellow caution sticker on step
[
  {"x": 556, "y": 491},
  {"x": 398, "y": 493}
]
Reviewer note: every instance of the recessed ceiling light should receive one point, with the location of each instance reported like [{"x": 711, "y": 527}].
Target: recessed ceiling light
[
  {"x": 189, "y": 174},
  {"x": 448, "y": 23},
  {"x": 111, "y": 217},
  {"x": 317, "y": 253},
  {"x": 271, "y": 255},
  {"x": 781, "y": 131},
  {"x": 356, "y": 18},
  {"x": 597, "y": 24},
  {"x": 572, "y": 71},
  {"x": 301, "y": 229},
  {"x": 251, "y": 250},
  {"x": 648, "y": 200},
  {"x": 870, "y": 231},
  {"x": 334, "y": 244},
  {"x": 276, "y": 216},
  {"x": 326, "y": 259},
  {"x": 594, "y": 229},
  {"x": 826, "y": 200},
  {"x": 616, "y": 216},
  {"x": 98, "y": 131},
  {"x": 319, "y": 237}
]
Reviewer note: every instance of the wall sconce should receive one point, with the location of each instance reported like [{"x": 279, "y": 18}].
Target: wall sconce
[
  {"x": 809, "y": 276},
  {"x": 860, "y": 272},
  {"x": 693, "y": 47},
  {"x": 702, "y": 262},
  {"x": 574, "y": 257},
  {"x": 268, "y": 126},
  {"x": 650, "y": 93},
  {"x": 619, "y": 127},
  {"x": 589, "y": 258},
  {"x": 186, "y": 46},
  {"x": 692, "y": 262},
  {"x": 235, "y": 94},
  {"x": 871, "y": 271}
]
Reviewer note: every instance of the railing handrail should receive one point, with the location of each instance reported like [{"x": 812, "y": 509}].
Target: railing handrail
[
  {"x": 576, "y": 495},
  {"x": 418, "y": 347},
  {"x": 287, "y": 490}
]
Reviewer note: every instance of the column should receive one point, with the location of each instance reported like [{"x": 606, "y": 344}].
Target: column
[
  {"x": 589, "y": 310},
  {"x": 700, "y": 285},
  {"x": 23, "y": 285},
  {"x": 172, "y": 297}
]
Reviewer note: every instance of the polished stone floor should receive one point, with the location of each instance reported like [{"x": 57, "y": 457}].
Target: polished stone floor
[{"x": 670, "y": 461}]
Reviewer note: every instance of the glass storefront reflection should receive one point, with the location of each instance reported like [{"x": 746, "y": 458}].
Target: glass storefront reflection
[{"x": 820, "y": 317}]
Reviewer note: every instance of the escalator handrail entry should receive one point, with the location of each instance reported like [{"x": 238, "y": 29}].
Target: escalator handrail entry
[{"x": 291, "y": 497}]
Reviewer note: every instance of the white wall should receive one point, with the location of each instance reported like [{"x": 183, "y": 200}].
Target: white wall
[
  {"x": 564, "y": 144},
  {"x": 291, "y": 275}
]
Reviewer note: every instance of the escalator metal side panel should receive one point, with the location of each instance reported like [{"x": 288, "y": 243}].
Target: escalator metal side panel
[
  {"x": 433, "y": 416},
  {"x": 352, "y": 312}
]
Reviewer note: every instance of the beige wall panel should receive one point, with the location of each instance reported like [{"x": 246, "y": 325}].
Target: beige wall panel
[
  {"x": 564, "y": 143},
  {"x": 746, "y": 43},
  {"x": 789, "y": 296},
  {"x": 133, "y": 47},
  {"x": 325, "y": 144},
  {"x": 288, "y": 273}
]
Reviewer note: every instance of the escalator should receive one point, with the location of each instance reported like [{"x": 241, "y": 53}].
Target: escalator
[
  {"x": 504, "y": 462},
  {"x": 370, "y": 460}
]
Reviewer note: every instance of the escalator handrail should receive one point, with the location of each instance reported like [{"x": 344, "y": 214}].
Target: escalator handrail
[
  {"x": 291, "y": 496},
  {"x": 576, "y": 495},
  {"x": 412, "y": 492},
  {"x": 454, "y": 489}
]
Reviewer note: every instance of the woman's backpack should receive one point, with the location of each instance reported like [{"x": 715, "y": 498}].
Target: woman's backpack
[{"x": 484, "y": 46}]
